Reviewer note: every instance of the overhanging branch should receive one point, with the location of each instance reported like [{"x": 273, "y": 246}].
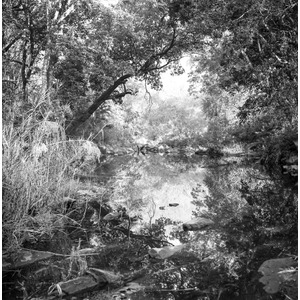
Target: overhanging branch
[
  {"x": 71, "y": 129},
  {"x": 149, "y": 64}
]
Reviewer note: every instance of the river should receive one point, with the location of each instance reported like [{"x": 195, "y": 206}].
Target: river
[{"x": 253, "y": 217}]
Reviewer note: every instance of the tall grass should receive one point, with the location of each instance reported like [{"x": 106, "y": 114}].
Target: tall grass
[{"x": 34, "y": 183}]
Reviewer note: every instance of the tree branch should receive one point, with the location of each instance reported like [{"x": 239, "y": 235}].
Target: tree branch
[
  {"x": 163, "y": 66},
  {"x": 75, "y": 123},
  {"x": 146, "y": 67},
  {"x": 9, "y": 45},
  {"x": 121, "y": 95}
]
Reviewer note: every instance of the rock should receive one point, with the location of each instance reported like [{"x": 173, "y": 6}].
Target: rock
[
  {"x": 103, "y": 275},
  {"x": 274, "y": 276},
  {"x": 162, "y": 208},
  {"x": 79, "y": 285},
  {"x": 25, "y": 258},
  {"x": 165, "y": 252},
  {"x": 173, "y": 204},
  {"x": 112, "y": 216},
  {"x": 87, "y": 156},
  {"x": 86, "y": 251},
  {"x": 90, "y": 151},
  {"x": 197, "y": 224}
]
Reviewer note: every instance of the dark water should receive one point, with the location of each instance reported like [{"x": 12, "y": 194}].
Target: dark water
[
  {"x": 255, "y": 218},
  {"x": 254, "y": 215}
]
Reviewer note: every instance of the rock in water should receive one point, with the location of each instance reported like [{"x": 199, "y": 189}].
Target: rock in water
[
  {"x": 197, "y": 224},
  {"x": 165, "y": 252}
]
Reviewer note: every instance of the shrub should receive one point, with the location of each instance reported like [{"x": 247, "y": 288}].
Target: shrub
[{"x": 34, "y": 182}]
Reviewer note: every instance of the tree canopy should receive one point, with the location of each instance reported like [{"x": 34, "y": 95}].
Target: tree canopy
[{"x": 81, "y": 54}]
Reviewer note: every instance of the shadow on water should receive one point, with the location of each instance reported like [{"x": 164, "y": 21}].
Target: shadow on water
[{"x": 254, "y": 219}]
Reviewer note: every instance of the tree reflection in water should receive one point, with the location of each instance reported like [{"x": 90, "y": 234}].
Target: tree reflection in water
[{"x": 255, "y": 219}]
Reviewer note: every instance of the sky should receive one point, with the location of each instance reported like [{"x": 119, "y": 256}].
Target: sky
[
  {"x": 108, "y": 2},
  {"x": 172, "y": 85},
  {"x": 176, "y": 85}
]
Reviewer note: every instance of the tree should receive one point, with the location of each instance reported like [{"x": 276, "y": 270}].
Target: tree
[
  {"x": 141, "y": 43},
  {"x": 29, "y": 28},
  {"x": 24, "y": 31},
  {"x": 248, "y": 47}
]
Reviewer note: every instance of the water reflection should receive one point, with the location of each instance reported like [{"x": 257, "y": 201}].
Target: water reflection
[
  {"x": 255, "y": 219},
  {"x": 156, "y": 186}
]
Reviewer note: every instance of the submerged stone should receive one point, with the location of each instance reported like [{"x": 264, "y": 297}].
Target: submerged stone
[
  {"x": 197, "y": 224},
  {"x": 275, "y": 273},
  {"x": 165, "y": 252},
  {"x": 78, "y": 285}
]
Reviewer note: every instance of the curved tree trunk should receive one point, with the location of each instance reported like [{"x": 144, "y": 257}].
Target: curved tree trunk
[{"x": 75, "y": 123}]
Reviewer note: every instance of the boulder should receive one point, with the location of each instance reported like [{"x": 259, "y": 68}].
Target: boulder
[
  {"x": 95, "y": 279},
  {"x": 173, "y": 204},
  {"x": 277, "y": 271},
  {"x": 90, "y": 151},
  {"x": 165, "y": 252},
  {"x": 197, "y": 224},
  {"x": 113, "y": 216}
]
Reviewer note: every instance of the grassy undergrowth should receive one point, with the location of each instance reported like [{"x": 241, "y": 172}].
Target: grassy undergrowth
[{"x": 37, "y": 175}]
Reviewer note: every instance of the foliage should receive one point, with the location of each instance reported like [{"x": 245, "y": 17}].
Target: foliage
[
  {"x": 256, "y": 218},
  {"x": 72, "y": 63},
  {"x": 34, "y": 182},
  {"x": 85, "y": 54},
  {"x": 84, "y": 51},
  {"x": 249, "y": 48}
]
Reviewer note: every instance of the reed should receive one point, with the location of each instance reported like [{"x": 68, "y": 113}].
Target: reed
[{"x": 37, "y": 175}]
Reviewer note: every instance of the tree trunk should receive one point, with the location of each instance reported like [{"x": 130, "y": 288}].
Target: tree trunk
[
  {"x": 46, "y": 62},
  {"x": 23, "y": 72},
  {"x": 77, "y": 122}
]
